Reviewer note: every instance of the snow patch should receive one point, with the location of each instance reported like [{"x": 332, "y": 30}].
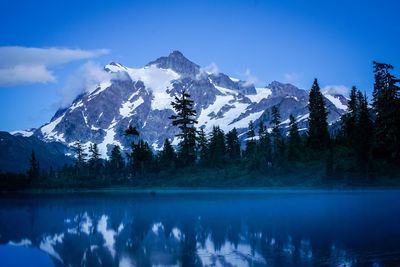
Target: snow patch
[
  {"x": 176, "y": 141},
  {"x": 115, "y": 67},
  {"x": 244, "y": 122},
  {"x": 102, "y": 86},
  {"x": 48, "y": 130},
  {"x": 336, "y": 101},
  {"x": 221, "y": 101},
  {"x": 109, "y": 140},
  {"x": 223, "y": 90},
  {"x": 156, "y": 147},
  {"x": 76, "y": 105},
  {"x": 128, "y": 108},
  {"x": 294, "y": 97},
  {"x": 22, "y": 133},
  {"x": 262, "y": 93},
  {"x": 157, "y": 80},
  {"x": 287, "y": 121},
  {"x": 303, "y": 117}
]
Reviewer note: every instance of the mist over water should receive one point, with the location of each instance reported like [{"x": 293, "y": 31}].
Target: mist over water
[{"x": 210, "y": 229}]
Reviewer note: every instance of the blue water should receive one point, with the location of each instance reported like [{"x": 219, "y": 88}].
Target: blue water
[{"x": 213, "y": 229}]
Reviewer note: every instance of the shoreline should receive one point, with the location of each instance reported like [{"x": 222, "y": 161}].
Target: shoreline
[{"x": 202, "y": 190}]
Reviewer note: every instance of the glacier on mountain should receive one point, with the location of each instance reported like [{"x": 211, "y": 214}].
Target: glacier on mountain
[{"x": 142, "y": 98}]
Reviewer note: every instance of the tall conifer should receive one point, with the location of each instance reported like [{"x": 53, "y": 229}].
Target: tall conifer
[
  {"x": 250, "y": 141},
  {"x": 167, "y": 156},
  {"x": 294, "y": 140},
  {"x": 278, "y": 145},
  {"x": 386, "y": 104},
  {"x": 318, "y": 135},
  {"x": 185, "y": 120},
  {"x": 217, "y": 147},
  {"x": 233, "y": 145}
]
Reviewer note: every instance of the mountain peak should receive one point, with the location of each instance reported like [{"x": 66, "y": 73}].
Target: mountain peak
[
  {"x": 114, "y": 67},
  {"x": 142, "y": 97},
  {"x": 177, "y": 54},
  {"x": 284, "y": 89},
  {"x": 178, "y": 63}
]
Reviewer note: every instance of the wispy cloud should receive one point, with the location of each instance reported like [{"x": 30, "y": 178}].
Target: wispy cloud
[
  {"x": 335, "y": 89},
  {"x": 85, "y": 79},
  {"x": 210, "y": 69},
  {"x": 250, "y": 79},
  {"x": 22, "y": 65}
]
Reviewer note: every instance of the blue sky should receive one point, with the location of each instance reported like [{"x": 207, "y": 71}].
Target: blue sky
[{"x": 288, "y": 41}]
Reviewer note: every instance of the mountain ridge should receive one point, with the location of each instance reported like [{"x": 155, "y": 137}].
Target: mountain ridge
[{"x": 141, "y": 97}]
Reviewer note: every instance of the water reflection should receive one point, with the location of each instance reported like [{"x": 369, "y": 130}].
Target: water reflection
[{"x": 205, "y": 230}]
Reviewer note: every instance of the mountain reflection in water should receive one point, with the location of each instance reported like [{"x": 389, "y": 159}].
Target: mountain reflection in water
[{"x": 287, "y": 229}]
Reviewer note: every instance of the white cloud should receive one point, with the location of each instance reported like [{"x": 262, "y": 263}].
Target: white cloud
[
  {"x": 22, "y": 65},
  {"x": 212, "y": 68},
  {"x": 335, "y": 89},
  {"x": 292, "y": 77},
  {"x": 250, "y": 79},
  {"x": 22, "y": 74},
  {"x": 85, "y": 79}
]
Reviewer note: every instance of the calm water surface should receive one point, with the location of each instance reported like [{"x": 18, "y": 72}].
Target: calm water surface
[{"x": 209, "y": 229}]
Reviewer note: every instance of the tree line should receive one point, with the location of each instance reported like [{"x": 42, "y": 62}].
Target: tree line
[{"x": 365, "y": 146}]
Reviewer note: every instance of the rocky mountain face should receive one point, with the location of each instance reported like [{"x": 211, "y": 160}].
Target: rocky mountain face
[{"x": 142, "y": 98}]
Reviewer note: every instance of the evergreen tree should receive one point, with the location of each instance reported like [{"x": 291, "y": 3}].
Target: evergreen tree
[
  {"x": 116, "y": 163},
  {"x": 233, "y": 145},
  {"x": 131, "y": 131},
  {"x": 217, "y": 147},
  {"x": 202, "y": 147},
  {"x": 94, "y": 158},
  {"x": 142, "y": 157},
  {"x": 250, "y": 142},
  {"x": 278, "y": 145},
  {"x": 185, "y": 121},
  {"x": 294, "y": 140},
  {"x": 191, "y": 146},
  {"x": 349, "y": 119},
  {"x": 167, "y": 156},
  {"x": 263, "y": 154},
  {"x": 51, "y": 172},
  {"x": 261, "y": 129},
  {"x": 134, "y": 133},
  {"x": 116, "y": 159},
  {"x": 34, "y": 168},
  {"x": 80, "y": 155},
  {"x": 318, "y": 135},
  {"x": 386, "y": 106},
  {"x": 363, "y": 142}
]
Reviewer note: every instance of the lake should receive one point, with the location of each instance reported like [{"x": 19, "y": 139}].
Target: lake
[{"x": 212, "y": 228}]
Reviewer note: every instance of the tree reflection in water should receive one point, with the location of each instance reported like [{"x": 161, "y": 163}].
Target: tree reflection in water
[{"x": 205, "y": 229}]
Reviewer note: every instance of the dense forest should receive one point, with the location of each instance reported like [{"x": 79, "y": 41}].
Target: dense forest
[{"x": 363, "y": 151}]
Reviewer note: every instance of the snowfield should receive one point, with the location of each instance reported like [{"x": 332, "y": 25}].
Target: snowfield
[{"x": 220, "y": 100}]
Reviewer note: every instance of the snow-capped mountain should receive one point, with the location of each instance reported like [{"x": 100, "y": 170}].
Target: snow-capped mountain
[{"x": 142, "y": 97}]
